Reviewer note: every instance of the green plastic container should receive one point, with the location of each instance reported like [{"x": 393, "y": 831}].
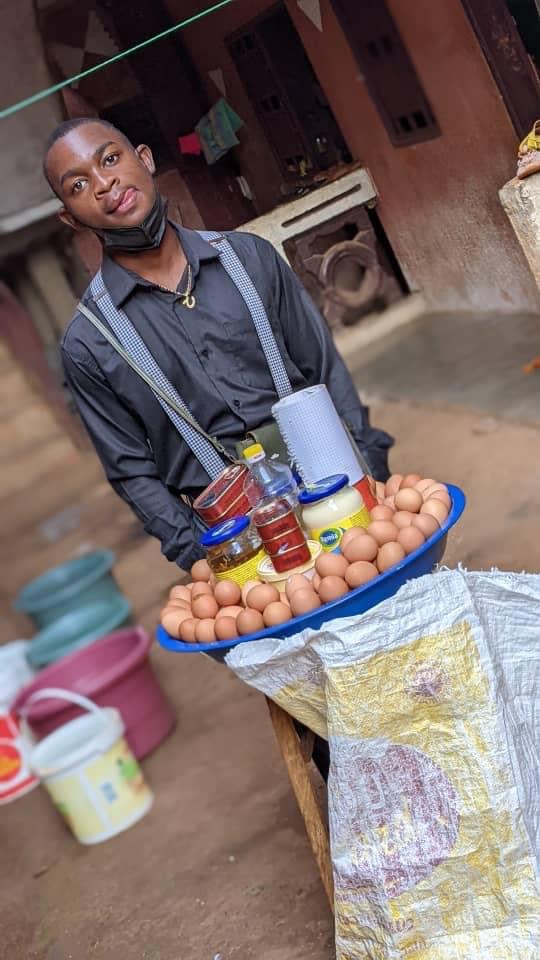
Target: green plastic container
[
  {"x": 76, "y": 629},
  {"x": 78, "y": 583}
]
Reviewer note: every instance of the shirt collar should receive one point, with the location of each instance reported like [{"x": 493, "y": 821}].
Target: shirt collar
[{"x": 121, "y": 283}]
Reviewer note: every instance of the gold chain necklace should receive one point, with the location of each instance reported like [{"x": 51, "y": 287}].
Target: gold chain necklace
[{"x": 188, "y": 298}]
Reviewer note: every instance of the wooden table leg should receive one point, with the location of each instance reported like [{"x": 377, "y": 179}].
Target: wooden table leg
[{"x": 296, "y": 763}]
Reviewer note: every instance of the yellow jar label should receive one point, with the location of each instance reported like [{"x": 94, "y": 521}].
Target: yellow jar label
[
  {"x": 244, "y": 571},
  {"x": 330, "y": 537}
]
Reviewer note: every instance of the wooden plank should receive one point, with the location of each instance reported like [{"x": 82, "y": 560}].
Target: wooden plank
[{"x": 291, "y": 749}]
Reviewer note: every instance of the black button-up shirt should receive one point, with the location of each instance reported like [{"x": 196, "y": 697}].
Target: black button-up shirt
[{"x": 212, "y": 355}]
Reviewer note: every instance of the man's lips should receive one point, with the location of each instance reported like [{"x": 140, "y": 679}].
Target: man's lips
[{"x": 122, "y": 202}]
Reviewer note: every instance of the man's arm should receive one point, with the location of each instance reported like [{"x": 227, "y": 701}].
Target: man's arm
[
  {"x": 311, "y": 346},
  {"x": 125, "y": 454}
]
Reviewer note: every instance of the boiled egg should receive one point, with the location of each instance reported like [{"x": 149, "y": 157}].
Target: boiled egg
[
  {"x": 249, "y": 621},
  {"x": 392, "y": 485},
  {"x": 227, "y": 593},
  {"x": 436, "y": 509},
  {"x": 381, "y": 512},
  {"x": 331, "y": 565},
  {"x": 260, "y": 597},
  {"x": 303, "y": 601},
  {"x": 276, "y": 613},
  {"x": 360, "y": 573},
  {"x": 332, "y": 588},
  {"x": 389, "y": 554},
  {"x": 409, "y": 499},
  {"x": 204, "y": 607},
  {"x": 226, "y": 628},
  {"x": 411, "y": 538},
  {"x": 205, "y": 631},
  {"x": 363, "y": 548},
  {"x": 383, "y": 531},
  {"x": 201, "y": 571}
]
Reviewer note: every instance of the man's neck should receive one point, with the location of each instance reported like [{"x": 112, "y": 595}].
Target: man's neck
[{"x": 164, "y": 265}]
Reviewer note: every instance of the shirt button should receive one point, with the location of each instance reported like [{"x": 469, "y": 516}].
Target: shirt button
[
  {"x": 236, "y": 403},
  {"x": 205, "y": 353}
]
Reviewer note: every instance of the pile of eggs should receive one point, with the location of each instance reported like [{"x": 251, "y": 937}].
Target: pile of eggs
[{"x": 409, "y": 511}]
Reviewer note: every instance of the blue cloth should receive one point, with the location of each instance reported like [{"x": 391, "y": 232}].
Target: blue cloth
[{"x": 217, "y": 131}]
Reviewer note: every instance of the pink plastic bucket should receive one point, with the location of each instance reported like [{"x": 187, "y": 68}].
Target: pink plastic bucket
[{"x": 114, "y": 671}]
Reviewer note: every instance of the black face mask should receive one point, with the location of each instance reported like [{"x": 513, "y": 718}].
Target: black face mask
[{"x": 147, "y": 236}]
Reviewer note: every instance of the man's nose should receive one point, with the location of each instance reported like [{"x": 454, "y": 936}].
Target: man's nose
[{"x": 104, "y": 181}]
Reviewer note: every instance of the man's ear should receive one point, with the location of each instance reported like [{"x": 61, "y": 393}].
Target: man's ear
[
  {"x": 66, "y": 217},
  {"x": 145, "y": 155}
]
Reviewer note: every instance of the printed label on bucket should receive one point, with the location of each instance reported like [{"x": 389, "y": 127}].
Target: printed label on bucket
[
  {"x": 15, "y": 776},
  {"x": 330, "y": 537},
  {"x": 102, "y": 797}
]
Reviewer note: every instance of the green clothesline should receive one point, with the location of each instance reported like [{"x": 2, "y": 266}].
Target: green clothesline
[{"x": 8, "y": 111}]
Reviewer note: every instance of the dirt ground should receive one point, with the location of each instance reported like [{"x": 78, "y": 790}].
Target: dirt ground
[{"x": 220, "y": 868}]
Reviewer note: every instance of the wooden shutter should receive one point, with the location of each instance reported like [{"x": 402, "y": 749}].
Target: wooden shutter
[{"x": 388, "y": 70}]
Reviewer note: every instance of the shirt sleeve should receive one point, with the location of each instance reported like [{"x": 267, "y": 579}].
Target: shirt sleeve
[
  {"x": 121, "y": 444},
  {"x": 312, "y": 348}
]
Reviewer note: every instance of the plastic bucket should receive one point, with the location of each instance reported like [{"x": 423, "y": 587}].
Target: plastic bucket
[
  {"x": 113, "y": 672},
  {"x": 15, "y": 776},
  {"x": 90, "y": 773},
  {"x": 77, "y": 629},
  {"x": 79, "y": 582}
]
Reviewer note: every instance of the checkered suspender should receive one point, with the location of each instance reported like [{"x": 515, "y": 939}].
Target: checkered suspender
[
  {"x": 134, "y": 345},
  {"x": 240, "y": 277}
]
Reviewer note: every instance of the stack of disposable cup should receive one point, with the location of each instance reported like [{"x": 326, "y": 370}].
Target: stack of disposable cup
[{"x": 315, "y": 436}]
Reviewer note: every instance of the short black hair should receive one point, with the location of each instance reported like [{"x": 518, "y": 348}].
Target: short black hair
[{"x": 66, "y": 127}]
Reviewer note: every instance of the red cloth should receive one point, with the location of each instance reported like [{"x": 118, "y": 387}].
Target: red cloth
[{"x": 190, "y": 144}]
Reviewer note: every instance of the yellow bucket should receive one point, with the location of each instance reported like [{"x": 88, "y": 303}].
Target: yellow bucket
[{"x": 90, "y": 772}]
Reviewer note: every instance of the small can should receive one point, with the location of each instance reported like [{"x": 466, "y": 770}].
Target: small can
[
  {"x": 287, "y": 558},
  {"x": 233, "y": 494}
]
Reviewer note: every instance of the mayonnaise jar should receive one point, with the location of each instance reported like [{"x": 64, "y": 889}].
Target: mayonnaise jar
[{"x": 329, "y": 508}]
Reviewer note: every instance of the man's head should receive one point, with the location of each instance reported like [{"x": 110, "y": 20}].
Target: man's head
[{"x": 102, "y": 180}]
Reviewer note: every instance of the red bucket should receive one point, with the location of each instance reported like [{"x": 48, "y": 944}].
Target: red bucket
[{"x": 114, "y": 671}]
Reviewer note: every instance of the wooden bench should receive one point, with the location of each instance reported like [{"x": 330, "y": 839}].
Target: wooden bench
[{"x": 297, "y": 752}]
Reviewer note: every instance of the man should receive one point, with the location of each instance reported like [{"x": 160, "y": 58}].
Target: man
[{"x": 181, "y": 301}]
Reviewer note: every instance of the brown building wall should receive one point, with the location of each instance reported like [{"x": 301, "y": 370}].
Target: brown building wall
[{"x": 438, "y": 200}]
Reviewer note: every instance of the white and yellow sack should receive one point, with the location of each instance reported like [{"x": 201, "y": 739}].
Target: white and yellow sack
[{"x": 430, "y": 702}]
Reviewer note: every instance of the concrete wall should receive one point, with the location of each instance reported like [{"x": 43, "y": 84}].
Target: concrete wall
[
  {"x": 438, "y": 200},
  {"x": 23, "y": 71}
]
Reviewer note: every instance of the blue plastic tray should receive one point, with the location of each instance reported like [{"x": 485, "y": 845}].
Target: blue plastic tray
[{"x": 417, "y": 564}]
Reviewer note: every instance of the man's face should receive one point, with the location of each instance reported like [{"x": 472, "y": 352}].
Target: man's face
[{"x": 102, "y": 180}]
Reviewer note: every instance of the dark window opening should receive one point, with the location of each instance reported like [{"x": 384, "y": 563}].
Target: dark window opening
[{"x": 388, "y": 70}]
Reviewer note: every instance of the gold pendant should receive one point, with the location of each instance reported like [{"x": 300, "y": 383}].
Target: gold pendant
[{"x": 189, "y": 301}]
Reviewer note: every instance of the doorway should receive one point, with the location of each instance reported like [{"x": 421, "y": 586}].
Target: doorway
[{"x": 286, "y": 95}]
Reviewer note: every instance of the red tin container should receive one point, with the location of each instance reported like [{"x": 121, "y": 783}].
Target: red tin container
[
  {"x": 282, "y": 536},
  {"x": 233, "y": 494}
]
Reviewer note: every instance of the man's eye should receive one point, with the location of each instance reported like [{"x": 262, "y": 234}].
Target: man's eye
[
  {"x": 110, "y": 159},
  {"x": 77, "y": 186}
]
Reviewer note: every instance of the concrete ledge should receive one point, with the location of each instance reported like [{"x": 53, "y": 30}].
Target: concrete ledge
[{"x": 521, "y": 202}]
